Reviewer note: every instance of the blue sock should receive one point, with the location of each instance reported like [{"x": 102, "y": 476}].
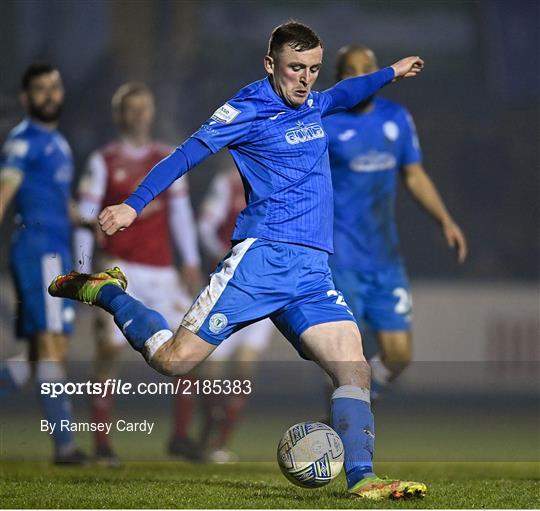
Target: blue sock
[
  {"x": 376, "y": 390},
  {"x": 55, "y": 409},
  {"x": 7, "y": 383},
  {"x": 353, "y": 421},
  {"x": 14, "y": 373},
  {"x": 137, "y": 322}
]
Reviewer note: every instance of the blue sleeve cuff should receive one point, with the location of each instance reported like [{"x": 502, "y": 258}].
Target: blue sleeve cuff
[
  {"x": 389, "y": 74},
  {"x": 136, "y": 202}
]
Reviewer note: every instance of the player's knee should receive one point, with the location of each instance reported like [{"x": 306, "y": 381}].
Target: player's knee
[
  {"x": 170, "y": 367},
  {"x": 161, "y": 366},
  {"x": 396, "y": 350},
  {"x": 51, "y": 347},
  {"x": 170, "y": 361},
  {"x": 399, "y": 355},
  {"x": 178, "y": 355},
  {"x": 397, "y": 360}
]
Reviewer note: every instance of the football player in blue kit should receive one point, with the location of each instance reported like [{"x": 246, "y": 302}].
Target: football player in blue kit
[
  {"x": 36, "y": 170},
  {"x": 278, "y": 265},
  {"x": 369, "y": 147}
]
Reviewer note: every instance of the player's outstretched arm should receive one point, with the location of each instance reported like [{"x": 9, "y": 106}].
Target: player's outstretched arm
[
  {"x": 350, "y": 92},
  {"x": 115, "y": 218}
]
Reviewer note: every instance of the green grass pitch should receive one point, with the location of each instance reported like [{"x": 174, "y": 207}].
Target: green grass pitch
[
  {"x": 149, "y": 479},
  {"x": 29, "y": 484},
  {"x": 406, "y": 449}
]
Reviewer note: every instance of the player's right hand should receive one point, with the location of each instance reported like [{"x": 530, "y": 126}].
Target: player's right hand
[
  {"x": 116, "y": 218},
  {"x": 455, "y": 239},
  {"x": 407, "y": 67}
]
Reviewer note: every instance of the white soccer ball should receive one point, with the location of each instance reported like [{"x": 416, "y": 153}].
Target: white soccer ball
[{"x": 310, "y": 454}]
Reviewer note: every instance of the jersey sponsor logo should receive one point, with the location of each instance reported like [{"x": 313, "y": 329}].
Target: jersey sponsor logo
[
  {"x": 18, "y": 148},
  {"x": 304, "y": 133},
  {"x": 391, "y": 131},
  {"x": 347, "y": 135},
  {"x": 120, "y": 174},
  {"x": 217, "y": 322},
  {"x": 225, "y": 114},
  {"x": 373, "y": 161}
]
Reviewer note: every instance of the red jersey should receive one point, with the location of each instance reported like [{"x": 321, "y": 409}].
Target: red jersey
[
  {"x": 219, "y": 212},
  {"x": 114, "y": 173},
  {"x": 236, "y": 203}
]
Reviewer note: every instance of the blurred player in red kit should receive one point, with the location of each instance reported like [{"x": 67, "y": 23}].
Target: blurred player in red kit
[
  {"x": 112, "y": 172},
  {"x": 236, "y": 358}
]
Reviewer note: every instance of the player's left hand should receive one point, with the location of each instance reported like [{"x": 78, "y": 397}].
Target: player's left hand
[
  {"x": 455, "y": 239},
  {"x": 407, "y": 67}
]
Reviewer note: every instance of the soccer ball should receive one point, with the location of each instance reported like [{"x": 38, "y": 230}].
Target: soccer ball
[{"x": 310, "y": 454}]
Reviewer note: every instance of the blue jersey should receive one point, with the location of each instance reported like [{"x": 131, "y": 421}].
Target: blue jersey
[
  {"x": 43, "y": 158},
  {"x": 282, "y": 155},
  {"x": 366, "y": 152}
]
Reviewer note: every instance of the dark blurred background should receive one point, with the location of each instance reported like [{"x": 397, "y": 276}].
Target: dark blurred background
[{"x": 476, "y": 106}]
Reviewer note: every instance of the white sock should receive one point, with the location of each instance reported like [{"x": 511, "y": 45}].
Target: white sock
[
  {"x": 352, "y": 392},
  {"x": 19, "y": 369},
  {"x": 379, "y": 372}
]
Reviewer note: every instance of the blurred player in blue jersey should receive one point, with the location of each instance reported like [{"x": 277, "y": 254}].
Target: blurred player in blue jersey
[
  {"x": 369, "y": 147},
  {"x": 278, "y": 265},
  {"x": 36, "y": 170}
]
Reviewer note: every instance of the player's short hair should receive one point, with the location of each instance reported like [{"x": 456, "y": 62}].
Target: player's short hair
[
  {"x": 296, "y": 35},
  {"x": 34, "y": 70},
  {"x": 125, "y": 91},
  {"x": 345, "y": 51}
]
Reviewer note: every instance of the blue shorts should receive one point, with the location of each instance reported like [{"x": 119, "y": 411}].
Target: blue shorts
[
  {"x": 290, "y": 284},
  {"x": 380, "y": 299},
  {"x": 37, "y": 311}
]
